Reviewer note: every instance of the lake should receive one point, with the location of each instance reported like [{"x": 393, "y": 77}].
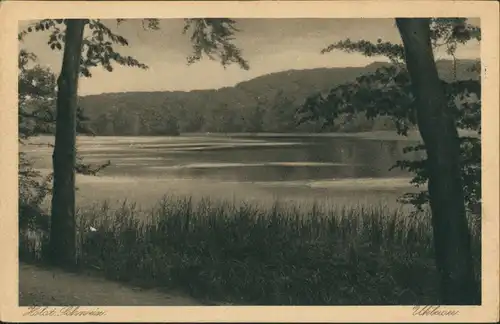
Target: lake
[{"x": 344, "y": 169}]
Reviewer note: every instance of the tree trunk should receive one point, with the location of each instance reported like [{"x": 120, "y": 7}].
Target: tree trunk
[
  {"x": 63, "y": 232},
  {"x": 437, "y": 126}
]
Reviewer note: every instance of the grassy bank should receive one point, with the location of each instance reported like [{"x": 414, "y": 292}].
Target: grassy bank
[{"x": 246, "y": 254}]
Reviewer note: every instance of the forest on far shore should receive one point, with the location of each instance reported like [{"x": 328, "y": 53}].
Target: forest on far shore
[{"x": 264, "y": 104}]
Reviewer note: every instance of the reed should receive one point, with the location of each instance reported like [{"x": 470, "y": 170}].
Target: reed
[{"x": 242, "y": 253}]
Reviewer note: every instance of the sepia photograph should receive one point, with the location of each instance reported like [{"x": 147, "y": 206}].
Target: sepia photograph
[{"x": 252, "y": 160}]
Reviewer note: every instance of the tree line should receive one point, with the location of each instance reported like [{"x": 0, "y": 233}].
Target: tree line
[
  {"x": 277, "y": 116},
  {"x": 269, "y": 103},
  {"x": 410, "y": 93}
]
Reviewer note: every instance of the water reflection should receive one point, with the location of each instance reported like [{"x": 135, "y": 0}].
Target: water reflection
[
  {"x": 345, "y": 169},
  {"x": 248, "y": 159}
]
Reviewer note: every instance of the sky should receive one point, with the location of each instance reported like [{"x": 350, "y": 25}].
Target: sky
[{"x": 269, "y": 45}]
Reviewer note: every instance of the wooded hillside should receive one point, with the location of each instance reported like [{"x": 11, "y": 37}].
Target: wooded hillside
[{"x": 264, "y": 104}]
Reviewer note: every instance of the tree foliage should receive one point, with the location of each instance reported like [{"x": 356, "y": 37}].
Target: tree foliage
[
  {"x": 35, "y": 98},
  {"x": 98, "y": 44},
  {"x": 213, "y": 37},
  {"x": 387, "y": 92},
  {"x": 37, "y": 88}
]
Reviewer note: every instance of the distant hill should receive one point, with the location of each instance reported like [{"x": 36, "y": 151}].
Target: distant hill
[{"x": 265, "y": 103}]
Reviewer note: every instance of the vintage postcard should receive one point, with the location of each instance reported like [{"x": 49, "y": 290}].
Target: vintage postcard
[{"x": 253, "y": 161}]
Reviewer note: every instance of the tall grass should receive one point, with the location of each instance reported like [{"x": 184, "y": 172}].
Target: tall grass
[{"x": 245, "y": 254}]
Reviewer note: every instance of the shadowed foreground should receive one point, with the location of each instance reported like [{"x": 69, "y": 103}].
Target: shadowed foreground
[
  {"x": 53, "y": 287},
  {"x": 245, "y": 254}
]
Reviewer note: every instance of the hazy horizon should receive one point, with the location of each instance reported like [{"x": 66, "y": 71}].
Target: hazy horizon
[{"x": 269, "y": 45}]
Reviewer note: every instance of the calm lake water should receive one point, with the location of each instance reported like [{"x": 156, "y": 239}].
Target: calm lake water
[{"x": 343, "y": 169}]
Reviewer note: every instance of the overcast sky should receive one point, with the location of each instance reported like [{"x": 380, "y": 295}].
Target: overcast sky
[{"x": 270, "y": 45}]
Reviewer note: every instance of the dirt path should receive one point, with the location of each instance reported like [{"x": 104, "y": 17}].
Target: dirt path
[{"x": 53, "y": 287}]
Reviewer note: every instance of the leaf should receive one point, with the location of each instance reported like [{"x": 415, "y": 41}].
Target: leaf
[{"x": 85, "y": 72}]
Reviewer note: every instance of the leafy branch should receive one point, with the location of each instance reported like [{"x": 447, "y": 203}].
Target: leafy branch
[
  {"x": 395, "y": 52},
  {"x": 213, "y": 37},
  {"x": 98, "y": 48},
  {"x": 387, "y": 92}
]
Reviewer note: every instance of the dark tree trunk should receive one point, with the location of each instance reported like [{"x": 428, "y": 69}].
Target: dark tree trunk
[
  {"x": 439, "y": 133},
  {"x": 62, "y": 231}
]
